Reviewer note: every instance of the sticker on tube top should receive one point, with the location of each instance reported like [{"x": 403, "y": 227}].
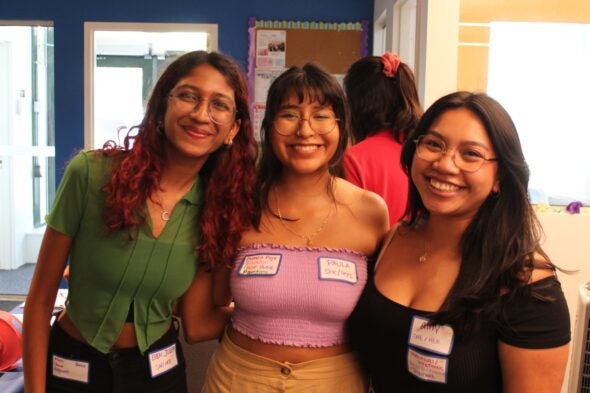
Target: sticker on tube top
[
  {"x": 337, "y": 269},
  {"x": 260, "y": 265}
]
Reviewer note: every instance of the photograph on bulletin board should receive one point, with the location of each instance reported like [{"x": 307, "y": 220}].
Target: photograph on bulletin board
[{"x": 275, "y": 46}]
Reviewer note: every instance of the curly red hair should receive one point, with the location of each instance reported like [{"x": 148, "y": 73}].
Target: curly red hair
[{"x": 228, "y": 174}]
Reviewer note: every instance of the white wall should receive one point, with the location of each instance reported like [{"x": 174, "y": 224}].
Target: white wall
[
  {"x": 567, "y": 243},
  {"x": 436, "y": 43}
]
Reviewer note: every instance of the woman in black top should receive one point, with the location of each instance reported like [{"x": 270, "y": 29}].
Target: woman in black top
[{"x": 463, "y": 298}]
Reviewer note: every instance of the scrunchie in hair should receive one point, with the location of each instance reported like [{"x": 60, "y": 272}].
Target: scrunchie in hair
[{"x": 391, "y": 62}]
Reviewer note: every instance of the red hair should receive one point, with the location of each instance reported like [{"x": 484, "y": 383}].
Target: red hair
[{"x": 228, "y": 174}]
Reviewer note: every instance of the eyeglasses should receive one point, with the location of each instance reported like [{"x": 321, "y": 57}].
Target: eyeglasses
[
  {"x": 220, "y": 111},
  {"x": 467, "y": 158},
  {"x": 288, "y": 122}
]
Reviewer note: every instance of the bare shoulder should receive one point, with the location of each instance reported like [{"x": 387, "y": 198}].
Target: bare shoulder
[{"x": 364, "y": 204}]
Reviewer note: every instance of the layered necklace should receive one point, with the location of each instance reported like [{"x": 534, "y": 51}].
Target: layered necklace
[{"x": 308, "y": 238}]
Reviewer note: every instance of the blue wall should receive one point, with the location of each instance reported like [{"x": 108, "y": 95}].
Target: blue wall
[{"x": 68, "y": 17}]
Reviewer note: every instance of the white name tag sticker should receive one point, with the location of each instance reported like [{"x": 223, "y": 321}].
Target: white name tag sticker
[
  {"x": 427, "y": 367},
  {"x": 74, "y": 370},
  {"x": 260, "y": 265},
  {"x": 337, "y": 270},
  {"x": 162, "y": 360},
  {"x": 435, "y": 338}
]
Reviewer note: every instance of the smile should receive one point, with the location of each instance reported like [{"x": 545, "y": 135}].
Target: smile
[
  {"x": 305, "y": 148},
  {"x": 442, "y": 186}
]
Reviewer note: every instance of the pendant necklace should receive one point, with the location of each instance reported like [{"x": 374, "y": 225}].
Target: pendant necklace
[
  {"x": 308, "y": 238},
  {"x": 422, "y": 258},
  {"x": 165, "y": 213}
]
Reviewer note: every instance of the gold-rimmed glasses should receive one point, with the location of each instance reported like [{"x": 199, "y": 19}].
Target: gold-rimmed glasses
[
  {"x": 468, "y": 158},
  {"x": 288, "y": 121},
  {"x": 220, "y": 110}
]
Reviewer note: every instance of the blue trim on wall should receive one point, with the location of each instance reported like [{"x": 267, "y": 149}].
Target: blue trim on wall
[{"x": 68, "y": 19}]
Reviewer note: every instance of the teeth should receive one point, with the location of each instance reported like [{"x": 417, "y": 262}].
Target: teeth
[
  {"x": 305, "y": 147},
  {"x": 443, "y": 186}
]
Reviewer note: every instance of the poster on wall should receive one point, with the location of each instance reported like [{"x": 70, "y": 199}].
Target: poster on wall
[
  {"x": 271, "y": 48},
  {"x": 274, "y": 46}
]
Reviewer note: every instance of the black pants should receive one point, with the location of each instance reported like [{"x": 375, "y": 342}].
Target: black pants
[{"x": 119, "y": 371}]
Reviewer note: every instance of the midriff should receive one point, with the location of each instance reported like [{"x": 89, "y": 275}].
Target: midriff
[
  {"x": 284, "y": 353},
  {"x": 126, "y": 339}
]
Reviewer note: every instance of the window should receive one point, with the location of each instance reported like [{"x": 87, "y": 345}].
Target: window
[
  {"x": 122, "y": 62},
  {"x": 539, "y": 72},
  {"x": 27, "y": 140}
]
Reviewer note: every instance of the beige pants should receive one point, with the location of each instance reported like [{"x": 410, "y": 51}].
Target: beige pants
[{"x": 235, "y": 370}]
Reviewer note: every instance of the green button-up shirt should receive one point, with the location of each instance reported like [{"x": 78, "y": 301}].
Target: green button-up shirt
[{"x": 109, "y": 272}]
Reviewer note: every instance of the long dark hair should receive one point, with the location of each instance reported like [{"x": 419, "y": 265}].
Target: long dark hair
[
  {"x": 228, "y": 174},
  {"x": 378, "y": 102},
  {"x": 309, "y": 82},
  {"x": 498, "y": 246}
]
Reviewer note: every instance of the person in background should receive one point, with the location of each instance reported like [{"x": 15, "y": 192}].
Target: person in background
[
  {"x": 138, "y": 223},
  {"x": 463, "y": 298},
  {"x": 303, "y": 263},
  {"x": 385, "y": 107}
]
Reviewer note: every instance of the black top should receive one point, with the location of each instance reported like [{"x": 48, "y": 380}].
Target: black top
[{"x": 400, "y": 355}]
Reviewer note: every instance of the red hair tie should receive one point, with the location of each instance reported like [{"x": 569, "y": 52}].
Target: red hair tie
[{"x": 390, "y": 62}]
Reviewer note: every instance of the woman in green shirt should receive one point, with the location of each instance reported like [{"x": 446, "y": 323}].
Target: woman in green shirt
[{"x": 141, "y": 223}]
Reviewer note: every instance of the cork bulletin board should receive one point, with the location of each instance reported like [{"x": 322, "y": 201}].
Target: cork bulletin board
[{"x": 277, "y": 45}]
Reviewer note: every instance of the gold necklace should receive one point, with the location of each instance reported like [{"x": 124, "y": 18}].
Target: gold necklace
[
  {"x": 422, "y": 258},
  {"x": 165, "y": 213},
  {"x": 308, "y": 238}
]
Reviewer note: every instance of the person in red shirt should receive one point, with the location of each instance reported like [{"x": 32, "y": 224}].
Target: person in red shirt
[{"x": 385, "y": 107}]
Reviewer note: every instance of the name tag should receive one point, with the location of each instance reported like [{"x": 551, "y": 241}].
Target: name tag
[
  {"x": 434, "y": 338},
  {"x": 162, "y": 360},
  {"x": 260, "y": 265},
  {"x": 427, "y": 367},
  {"x": 71, "y": 369},
  {"x": 337, "y": 270}
]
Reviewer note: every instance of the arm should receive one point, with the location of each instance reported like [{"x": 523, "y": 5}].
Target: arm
[
  {"x": 221, "y": 292},
  {"x": 51, "y": 262},
  {"x": 532, "y": 370},
  {"x": 201, "y": 319}
]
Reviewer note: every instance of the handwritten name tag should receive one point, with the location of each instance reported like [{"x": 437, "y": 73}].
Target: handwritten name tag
[
  {"x": 71, "y": 369},
  {"x": 260, "y": 265},
  {"x": 427, "y": 367},
  {"x": 337, "y": 269},
  {"x": 162, "y": 360},
  {"x": 434, "y": 338}
]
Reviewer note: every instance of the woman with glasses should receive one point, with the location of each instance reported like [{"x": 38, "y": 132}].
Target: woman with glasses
[
  {"x": 303, "y": 263},
  {"x": 385, "y": 108},
  {"x": 463, "y": 298},
  {"x": 141, "y": 224}
]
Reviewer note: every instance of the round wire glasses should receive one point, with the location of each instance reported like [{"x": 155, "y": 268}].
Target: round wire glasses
[
  {"x": 468, "y": 158},
  {"x": 220, "y": 110}
]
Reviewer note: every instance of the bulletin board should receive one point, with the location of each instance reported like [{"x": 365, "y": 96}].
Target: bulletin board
[{"x": 277, "y": 45}]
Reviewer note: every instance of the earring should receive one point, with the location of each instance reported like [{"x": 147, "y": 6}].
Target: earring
[
  {"x": 229, "y": 143},
  {"x": 495, "y": 194}
]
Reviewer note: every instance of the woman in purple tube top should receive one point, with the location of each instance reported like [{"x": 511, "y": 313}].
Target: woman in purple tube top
[{"x": 303, "y": 263}]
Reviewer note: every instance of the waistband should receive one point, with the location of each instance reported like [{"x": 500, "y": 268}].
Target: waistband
[
  {"x": 59, "y": 333},
  {"x": 329, "y": 367}
]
